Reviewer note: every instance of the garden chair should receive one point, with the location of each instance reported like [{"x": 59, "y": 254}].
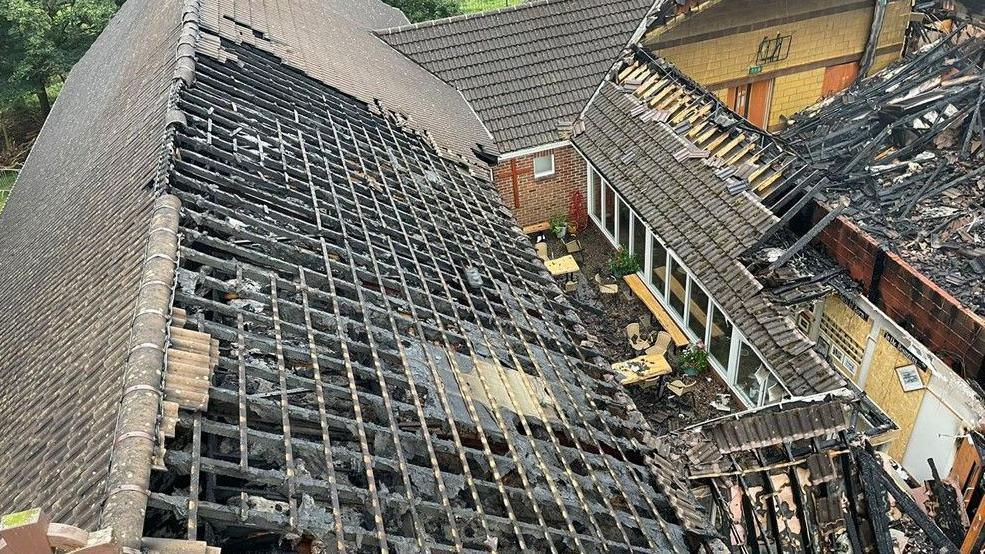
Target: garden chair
[
  {"x": 573, "y": 247},
  {"x": 661, "y": 345},
  {"x": 638, "y": 343},
  {"x": 606, "y": 288}
]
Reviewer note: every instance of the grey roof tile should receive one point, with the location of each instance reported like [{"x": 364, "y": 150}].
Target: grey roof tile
[
  {"x": 71, "y": 241},
  {"x": 526, "y": 68},
  {"x": 691, "y": 209}
]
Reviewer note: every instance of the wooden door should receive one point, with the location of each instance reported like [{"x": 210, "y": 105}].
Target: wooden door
[
  {"x": 838, "y": 77},
  {"x": 752, "y": 101}
]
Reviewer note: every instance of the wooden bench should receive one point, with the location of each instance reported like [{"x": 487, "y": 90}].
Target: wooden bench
[
  {"x": 641, "y": 291},
  {"x": 537, "y": 228}
]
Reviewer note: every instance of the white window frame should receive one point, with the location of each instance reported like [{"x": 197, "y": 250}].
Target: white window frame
[
  {"x": 543, "y": 174},
  {"x": 729, "y": 373}
]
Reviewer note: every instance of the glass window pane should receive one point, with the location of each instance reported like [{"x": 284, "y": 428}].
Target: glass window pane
[
  {"x": 721, "y": 337},
  {"x": 639, "y": 239},
  {"x": 752, "y": 375},
  {"x": 544, "y": 165},
  {"x": 658, "y": 271},
  {"x": 697, "y": 318},
  {"x": 610, "y": 210},
  {"x": 595, "y": 193},
  {"x": 678, "y": 282},
  {"x": 623, "y": 223}
]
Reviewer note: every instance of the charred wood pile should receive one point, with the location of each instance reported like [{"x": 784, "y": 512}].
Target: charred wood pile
[{"x": 906, "y": 147}]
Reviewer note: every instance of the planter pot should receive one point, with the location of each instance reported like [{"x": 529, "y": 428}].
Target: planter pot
[
  {"x": 690, "y": 371},
  {"x": 561, "y": 233}
]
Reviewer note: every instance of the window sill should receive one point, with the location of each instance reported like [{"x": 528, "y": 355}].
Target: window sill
[{"x": 543, "y": 176}]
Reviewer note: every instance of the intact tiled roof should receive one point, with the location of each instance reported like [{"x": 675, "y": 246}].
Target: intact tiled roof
[
  {"x": 71, "y": 241},
  {"x": 690, "y": 206},
  {"x": 529, "y": 68}
]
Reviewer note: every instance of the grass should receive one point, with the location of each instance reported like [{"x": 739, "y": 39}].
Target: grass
[
  {"x": 6, "y": 183},
  {"x": 471, "y": 6}
]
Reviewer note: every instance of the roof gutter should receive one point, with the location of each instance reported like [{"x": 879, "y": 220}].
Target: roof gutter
[{"x": 136, "y": 427}]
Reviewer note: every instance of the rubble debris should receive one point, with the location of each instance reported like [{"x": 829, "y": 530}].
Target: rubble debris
[
  {"x": 907, "y": 147},
  {"x": 798, "y": 477}
]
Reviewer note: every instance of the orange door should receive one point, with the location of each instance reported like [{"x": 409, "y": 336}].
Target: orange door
[
  {"x": 752, "y": 101},
  {"x": 838, "y": 77}
]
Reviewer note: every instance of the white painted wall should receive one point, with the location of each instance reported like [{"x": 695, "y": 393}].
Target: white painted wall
[{"x": 934, "y": 436}]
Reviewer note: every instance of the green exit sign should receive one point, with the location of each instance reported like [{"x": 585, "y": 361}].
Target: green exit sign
[{"x": 755, "y": 69}]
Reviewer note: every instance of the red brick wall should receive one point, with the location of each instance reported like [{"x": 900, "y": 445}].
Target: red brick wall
[
  {"x": 934, "y": 317},
  {"x": 539, "y": 199}
]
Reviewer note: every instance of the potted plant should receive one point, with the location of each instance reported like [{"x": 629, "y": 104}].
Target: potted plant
[
  {"x": 623, "y": 264},
  {"x": 559, "y": 225},
  {"x": 693, "y": 361}
]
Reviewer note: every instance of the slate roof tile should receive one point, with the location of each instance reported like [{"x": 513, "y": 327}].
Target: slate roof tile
[{"x": 71, "y": 241}]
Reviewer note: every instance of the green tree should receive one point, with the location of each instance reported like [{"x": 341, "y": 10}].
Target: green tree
[
  {"x": 42, "y": 39},
  {"x": 423, "y": 10}
]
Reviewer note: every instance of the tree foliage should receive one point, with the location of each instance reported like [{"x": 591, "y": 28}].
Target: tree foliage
[
  {"x": 423, "y": 10},
  {"x": 42, "y": 39}
]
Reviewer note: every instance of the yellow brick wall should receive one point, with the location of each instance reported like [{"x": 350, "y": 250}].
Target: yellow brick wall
[
  {"x": 820, "y": 39},
  {"x": 883, "y": 387},
  {"x": 792, "y": 93},
  {"x": 882, "y": 384}
]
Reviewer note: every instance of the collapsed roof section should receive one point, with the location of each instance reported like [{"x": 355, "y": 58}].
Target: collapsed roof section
[
  {"x": 798, "y": 477},
  {"x": 395, "y": 369},
  {"x": 529, "y": 69},
  {"x": 692, "y": 169},
  {"x": 907, "y": 146}
]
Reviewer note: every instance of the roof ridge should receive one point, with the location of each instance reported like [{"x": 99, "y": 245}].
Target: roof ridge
[{"x": 465, "y": 16}]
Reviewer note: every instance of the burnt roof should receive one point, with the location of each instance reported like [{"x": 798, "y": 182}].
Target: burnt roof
[
  {"x": 798, "y": 476},
  {"x": 704, "y": 208},
  {"x": 393, "y": 366},
  {"x": 71, "y": 241},
  {"x": 336, "y": 255},
  {"x": 906, "y": 146},
  {"x": 332, "y": 41},
  {"x": 528, "y": 70}
]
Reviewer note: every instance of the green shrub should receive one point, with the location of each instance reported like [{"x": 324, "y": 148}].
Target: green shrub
[
  {"x": 559, "y": 223},
  {"x": 694, "y": 360},
  {"x": 624, "y": 263}
]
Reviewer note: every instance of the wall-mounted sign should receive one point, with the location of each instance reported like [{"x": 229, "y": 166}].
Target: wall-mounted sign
[
  {"x": 854, "y": 306},
  {"x": 904, "y": 351},
  {"x": 909, "y": 378},
  {"x": 773, "y": 49},
  {"x": 755, "y": 69}
]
